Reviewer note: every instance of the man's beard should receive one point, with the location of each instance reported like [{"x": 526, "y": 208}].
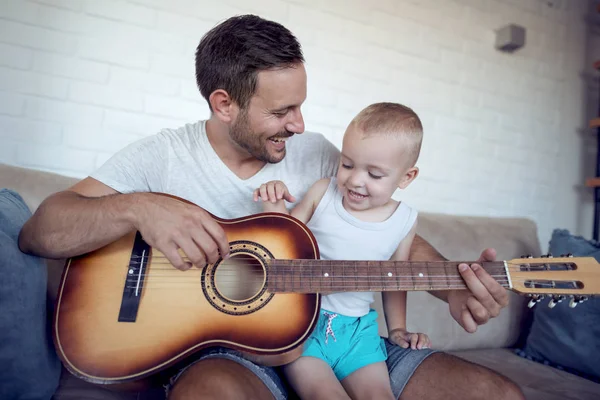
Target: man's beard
[{"x": 242, "y": 134}]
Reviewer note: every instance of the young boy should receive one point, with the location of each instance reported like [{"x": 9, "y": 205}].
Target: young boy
[{"x": 353, "y": 216}]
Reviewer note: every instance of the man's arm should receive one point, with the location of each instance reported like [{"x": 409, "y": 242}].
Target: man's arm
[
  {"x": 90, "y": 215},
  {"x": 421, "y": 250},
  {"x": 75, "y": 221},
  {"x": 484, "y": 297}
]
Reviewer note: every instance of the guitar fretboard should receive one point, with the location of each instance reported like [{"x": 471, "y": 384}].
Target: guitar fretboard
[{"x": 315, "y": 276}]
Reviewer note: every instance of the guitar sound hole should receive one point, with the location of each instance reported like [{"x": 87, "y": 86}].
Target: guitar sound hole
[{"x": 239, "y": 278}]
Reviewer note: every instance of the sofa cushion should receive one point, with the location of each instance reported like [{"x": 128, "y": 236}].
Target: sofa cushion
[
  {"x": 462, "y": 238},
  {"x": 564, "y": 337},
  {"x": 30, "y": 367},
  {"x": 537, "y": 381}
]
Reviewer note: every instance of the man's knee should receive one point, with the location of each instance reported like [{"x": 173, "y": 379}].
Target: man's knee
[
  {"x": 494, "y": 386},
  {"x": 218, "y": 379},
  {"x": 509, "y": 391}
]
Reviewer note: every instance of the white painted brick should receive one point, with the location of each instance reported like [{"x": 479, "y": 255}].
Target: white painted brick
[
  {"x": 97, "y": 139},
  {"x": 21, "y": 11},
  {"x": 121, "y": 11},
  {"x": 70, "y": 67},
  {"x": 156, "y": 4},
  {"x": 352, "y": 10},
  {"x": 140, "y": 37},
  {"x": 324, "y": 97},
  {"x": 27, "y": 82},
  {"x": 455, "y": 128},
  {"x": 364, "y": 67},
  {"x": 139, "y": 123},
  {"x": 68, "y": 4},
  {"x": 319, "y": 61},
  {"x": 436, "y": 37},
  {"x": 398, "y": 28},
  {"x": 477, "y": 104},
  {"x": 181, "y": 67},
  {"x": 14, "y": 56},
  {"x": 160, "y": 105},
  {"x": 22, "y": 130},
  {"x": 114, "y": 51},
  {"x": 61, "y": 19},
  {"x": 100, "y": 95},
  {"x": 60, "y": 111},
  {"x": 183, "y": 25},
  {"x": 477, "y": 113},
  {"x": 37, "y": 38},
  {"x": 212, "y": 11},
  {"x": 102, "y": 158},
  {"x": 306, "y": 3},
  {"x": 314, "y": 18},
  {"x": 8, "y": 152},
  {"x": 11, "y": 104},
  {"x": 143, "y": 81},
  {"x": 190, "y": 91},
  {"x": 275, "y": 10},
  {"x": 59, "y": 157}
]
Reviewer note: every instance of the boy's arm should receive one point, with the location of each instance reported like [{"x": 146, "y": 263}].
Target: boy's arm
[
  {"x": 275, "y": 193},
  {"x": 394, "y": 303},
  {"x": 307, "y": 206}
]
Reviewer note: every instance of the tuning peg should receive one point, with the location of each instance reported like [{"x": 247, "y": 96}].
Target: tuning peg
[
  {"x": 536, "y": 298},
  {"x": 574, "y": 301},
  {"x": 577, "y": 300},
  {"x": 555, "y": 300}
]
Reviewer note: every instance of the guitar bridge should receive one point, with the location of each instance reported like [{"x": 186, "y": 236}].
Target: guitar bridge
[{"x": 134, "y": 283}]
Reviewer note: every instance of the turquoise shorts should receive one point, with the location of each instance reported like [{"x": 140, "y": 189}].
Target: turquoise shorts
[{"x": 346, "y": 343}]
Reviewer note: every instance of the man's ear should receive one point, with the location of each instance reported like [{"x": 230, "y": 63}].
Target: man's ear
[
  {"x": 408, "y": 177},
  {"x": 223, "y": 107}
]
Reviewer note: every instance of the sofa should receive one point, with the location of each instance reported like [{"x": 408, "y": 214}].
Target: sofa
[{"x": 457, "y": 237}]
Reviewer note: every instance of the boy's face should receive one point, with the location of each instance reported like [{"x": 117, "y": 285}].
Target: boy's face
[
  {"x": 372, "y": 168},
  {"x": 273, "y": 113}
]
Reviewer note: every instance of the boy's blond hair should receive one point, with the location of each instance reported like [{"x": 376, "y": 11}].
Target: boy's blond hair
[{"x": 395, "y": 120}]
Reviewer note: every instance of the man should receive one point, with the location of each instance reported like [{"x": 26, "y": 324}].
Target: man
[{"x": 251, "y": 73}]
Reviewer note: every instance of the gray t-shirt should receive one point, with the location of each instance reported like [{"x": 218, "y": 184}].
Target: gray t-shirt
[{"x": 183, "y": 163}]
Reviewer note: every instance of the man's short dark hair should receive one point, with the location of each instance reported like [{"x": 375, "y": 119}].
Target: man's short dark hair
[{"x": 231, "y": 55}]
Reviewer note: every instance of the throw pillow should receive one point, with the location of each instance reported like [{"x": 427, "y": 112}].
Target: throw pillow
[
  {"x": 563, "y": 337},
  {"x": 30, "y": 367}
]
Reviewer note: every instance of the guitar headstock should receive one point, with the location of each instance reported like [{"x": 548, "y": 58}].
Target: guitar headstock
[{"x": 558, "y": 277}]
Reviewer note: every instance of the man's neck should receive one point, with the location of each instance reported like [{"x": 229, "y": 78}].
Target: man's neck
[{"x": 238, "y": 160}]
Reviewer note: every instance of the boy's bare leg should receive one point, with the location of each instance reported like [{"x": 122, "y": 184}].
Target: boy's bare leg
[
  {"x": 443, "y": 376},
  {"x": 219, "y": 379},
  {"x": 369, "y": 382},
  {"x": 312, "y": 378}
]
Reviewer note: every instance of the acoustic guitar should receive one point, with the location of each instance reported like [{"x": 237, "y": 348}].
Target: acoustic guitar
[{"x": 124, "y": 313}]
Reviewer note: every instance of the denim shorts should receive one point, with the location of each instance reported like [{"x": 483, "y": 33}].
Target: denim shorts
[{"x": 401, "y": 364}]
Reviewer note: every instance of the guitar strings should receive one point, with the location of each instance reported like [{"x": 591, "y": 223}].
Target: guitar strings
[{"x": 296, "y": 271}]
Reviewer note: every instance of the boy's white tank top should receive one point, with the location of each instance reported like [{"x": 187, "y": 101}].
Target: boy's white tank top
[{"x": 341, "y": 236}]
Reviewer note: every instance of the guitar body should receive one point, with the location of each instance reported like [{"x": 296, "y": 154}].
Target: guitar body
[
  {"x": 180, "y": 312},
  {"x": 124, "y": 313}
]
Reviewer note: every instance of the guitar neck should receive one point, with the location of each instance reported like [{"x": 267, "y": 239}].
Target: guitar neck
[{"x": 316, "y": 276}]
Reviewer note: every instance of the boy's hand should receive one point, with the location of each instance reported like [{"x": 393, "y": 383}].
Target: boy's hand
[
  {"x": 273, "y": 191},
  {"x": 405, "y": 339}
]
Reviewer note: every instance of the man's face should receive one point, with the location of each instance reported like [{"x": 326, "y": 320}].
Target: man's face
[{"x": 273, "y": 114}]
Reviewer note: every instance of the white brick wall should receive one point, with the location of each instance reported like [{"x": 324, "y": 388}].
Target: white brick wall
[{"x": 79, "y": 79}]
